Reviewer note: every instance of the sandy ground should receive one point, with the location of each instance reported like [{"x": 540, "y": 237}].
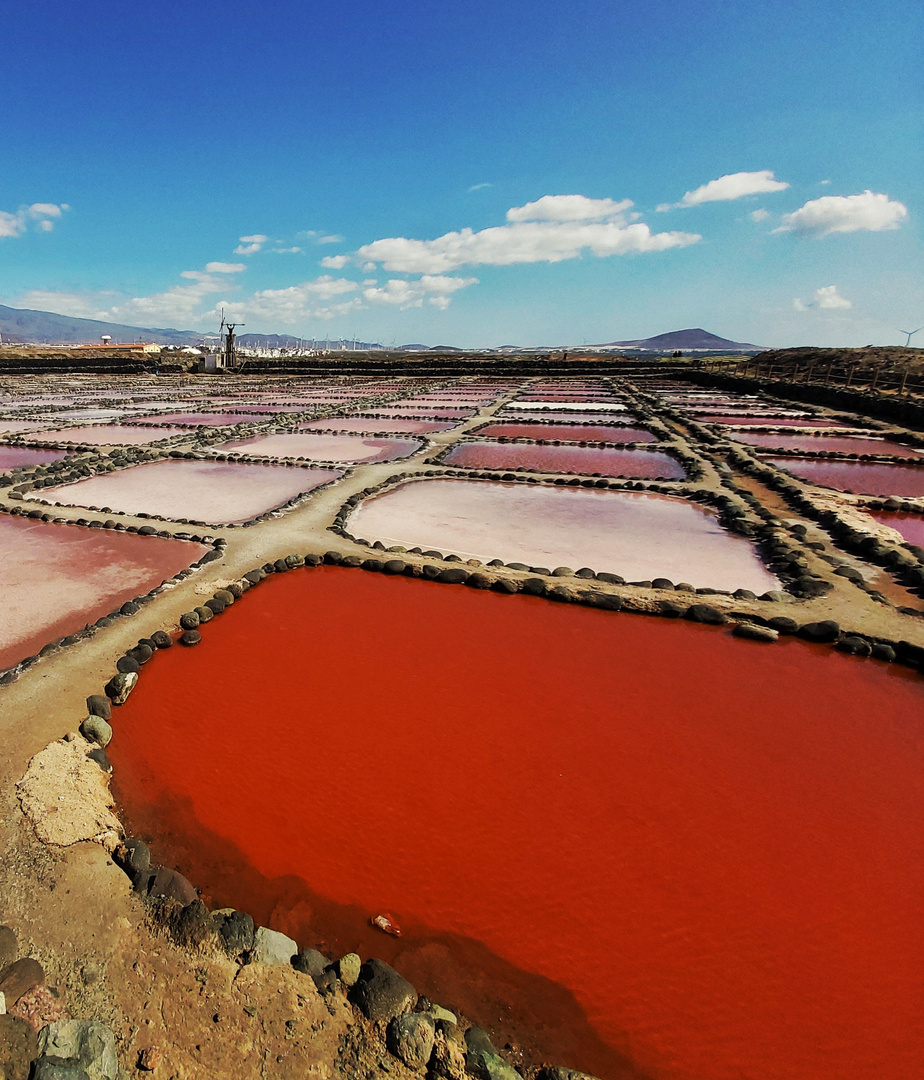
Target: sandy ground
[{"x": 73, "y": 909}]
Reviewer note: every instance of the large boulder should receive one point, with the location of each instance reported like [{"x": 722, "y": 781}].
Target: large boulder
[
  {"x": 19, "y": 978},
  {"x": 88, "y": 1043},
  {"x": 120, "y": 686},
  {"x": 410, "y": 1038},
  {"x": 272, "y": 947},
  {"x": 381, "y": 993}
]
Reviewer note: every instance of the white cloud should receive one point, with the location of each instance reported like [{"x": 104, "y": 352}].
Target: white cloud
[
  {"x": 43, "y": 214},
  {"x": 731, "y": 186},
  {"x": 552, "y": 229},
  {"x": 826, "y": 298},
  {"x": 250, "y": 245},
  {"x": 335, "y": 262},
  {"x": 334, "y": 238},
  {"x": 285, "y": 250},
  {"x": 433, "y": 289},
  {"x": 759, "y": 215},
  {"x": 568, "y": 208},
  {"x": 297, "y": 303},
  {"x": 318, "y": 237},
  {"x": 868, "y": 212},
  {"x": 479, "y": 187},
  {"x": 225, "y": 267}
]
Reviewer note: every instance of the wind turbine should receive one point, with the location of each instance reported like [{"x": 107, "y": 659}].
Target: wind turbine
[{"x": 911, "y": 334}]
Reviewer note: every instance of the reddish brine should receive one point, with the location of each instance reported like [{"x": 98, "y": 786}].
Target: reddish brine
[
  {"x": 565, "y": 459},
  {"x": 567, "y": 432},
  {"x": 860, "y": 477},
  {"x": 661, "y": 844}
]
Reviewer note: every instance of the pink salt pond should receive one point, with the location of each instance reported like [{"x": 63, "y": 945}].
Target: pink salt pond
[
  {"x": 769, "y": 421},
  {"x": 861, "y": 477},
  {"x": 216, "y": 419},
  {"x": 841, "y": 444},
  {"x": 371, "y": 426},
  {"x": 210, "y": 491},
  {"x": 911, "y": 526},
  {"x": 588, "y": 460},
  {"x": 12, "y": 427},
  {"x": 341, "y": 448},
  {"x": 20, "y": 457},
  {"x": 55, "y": 579},
  {"x": 110, "y": 435},
  {"x": 637, "y": 535},
  {"x": 518, "y": 415},
  {"x": 567, "y": 432}
]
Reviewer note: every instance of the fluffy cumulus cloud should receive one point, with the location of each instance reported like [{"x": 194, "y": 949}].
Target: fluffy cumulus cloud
[
  {"x": 225, "y": 268},
  {"x": 867, "y": 212},
  {"x": 759, "y": 215},
  {"x": 41, "y": 216},
  {"x": 335, "y": 262},
  {"x": 729, "y": 187},
  {"x": 432, "y": 289},
  {"x": 323, "y": 298},
  {"x": 551, "y": 229},
  {"x": 825, "y": 299},
  {"x": 250, "y": 245}
]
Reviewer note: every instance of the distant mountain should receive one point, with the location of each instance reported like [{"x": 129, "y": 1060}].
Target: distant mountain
[
  {"x": 47, "y": 328},
  {"x": 684, "y": 340}
]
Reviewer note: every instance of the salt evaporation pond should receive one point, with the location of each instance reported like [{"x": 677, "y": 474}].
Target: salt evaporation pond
[
  {"x": 20, "y": 457},
  {"x": 565, "y": 406},
  {"x": 842, "y": 444},
  {"x": 565, "y": 459},
  {"x": 911, "y": 526},
  {"x": 10, "y": 427},
  {"x": 370, "y": 426},
  {"x": 342, "y": 448},
  {"x": 567, "y": 432},
  {"x": 197, "y": 419},
  {"x": 109, "y": 435},
  {"x": 861, "y": 477},
  {"x": 659, "y": 842},
  {"x": 54, "y": 579},
  {"x": 584, "y": 417},
  {"x": 770, "y": 421},
  {"x": 210, "y": 491},
  {"x": 635, "y": 534}
]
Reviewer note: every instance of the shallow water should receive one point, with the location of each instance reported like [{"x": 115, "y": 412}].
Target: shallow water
[
  {"x": 109, "y": 435},
  {"x": 837, "y": 443},
  {"x": 565, "y": 459},
  {"x": 341, "y": 448},
  {"x": 54, "y": 579},
  {"x": 371, "y": 426},
  {"x": 911, "y": 526},
  {"x": 519, "y": 415},
  {"x": 215, "y": 419},
  {"x": 861, "y": 477},
  {"x": 635, "y": 534},
  {"x": 568, "y": 432},
  {"x": 212, "y": 491},
  {"x": 19, "y": 457},
  {"x": 715, "y": 846},
  {"x": 767, "y": 421}
]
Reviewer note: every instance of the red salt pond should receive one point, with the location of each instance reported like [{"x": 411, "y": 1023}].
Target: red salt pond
[
  {"x": 565, "y": 459},
  {"x": 19, "y": 457},
  {"x": 697, "y": 854},
  {"x": 54, "y": 579},
  {"x": 518, "y": 415},
  {"x": 369, "y": 425},
  {"x": 202, "y": 418},
  {"x": 109, "y": 435},
  {"x": 770, "y": 421},
  {"x": 842, "y": 444},
  {"x": 11, "y": 427},
  {"x": 211, "y": 491},
  {"x": 568, "y": 432},
  {"x": 343, "y": 448},
  {"x": 636, "y": 534},
  {"x": 862, "y": 477},
  {"x": 911, "y": 526}
]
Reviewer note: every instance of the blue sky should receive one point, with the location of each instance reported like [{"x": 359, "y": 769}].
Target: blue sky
[{"x": 471, "y": 172}]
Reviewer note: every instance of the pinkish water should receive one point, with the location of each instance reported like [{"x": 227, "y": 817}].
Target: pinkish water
[
  {"x": 371, "y": 426},
  {"x": 860, "y": 477},
  {"x": 911, "y": 526},
  {"x": 213, "y": 491},
  {"x": 586, "y": 460},
  {"x": 109, "y": 435},
  {"x": 764, "y": 421},
  {"x": 216, "y": 419},
  {"x": 19, "y": 457},
  {"x": 567, "y": 432},
  {"x": 516, "y": 415},
  {"x": 638, "y": 535},
  {"x": 341, "y": 448},
  {"x": 836, "y": 443},
  {"x": 11, "y": 427},
  {"x": 54, "y": 579}
]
